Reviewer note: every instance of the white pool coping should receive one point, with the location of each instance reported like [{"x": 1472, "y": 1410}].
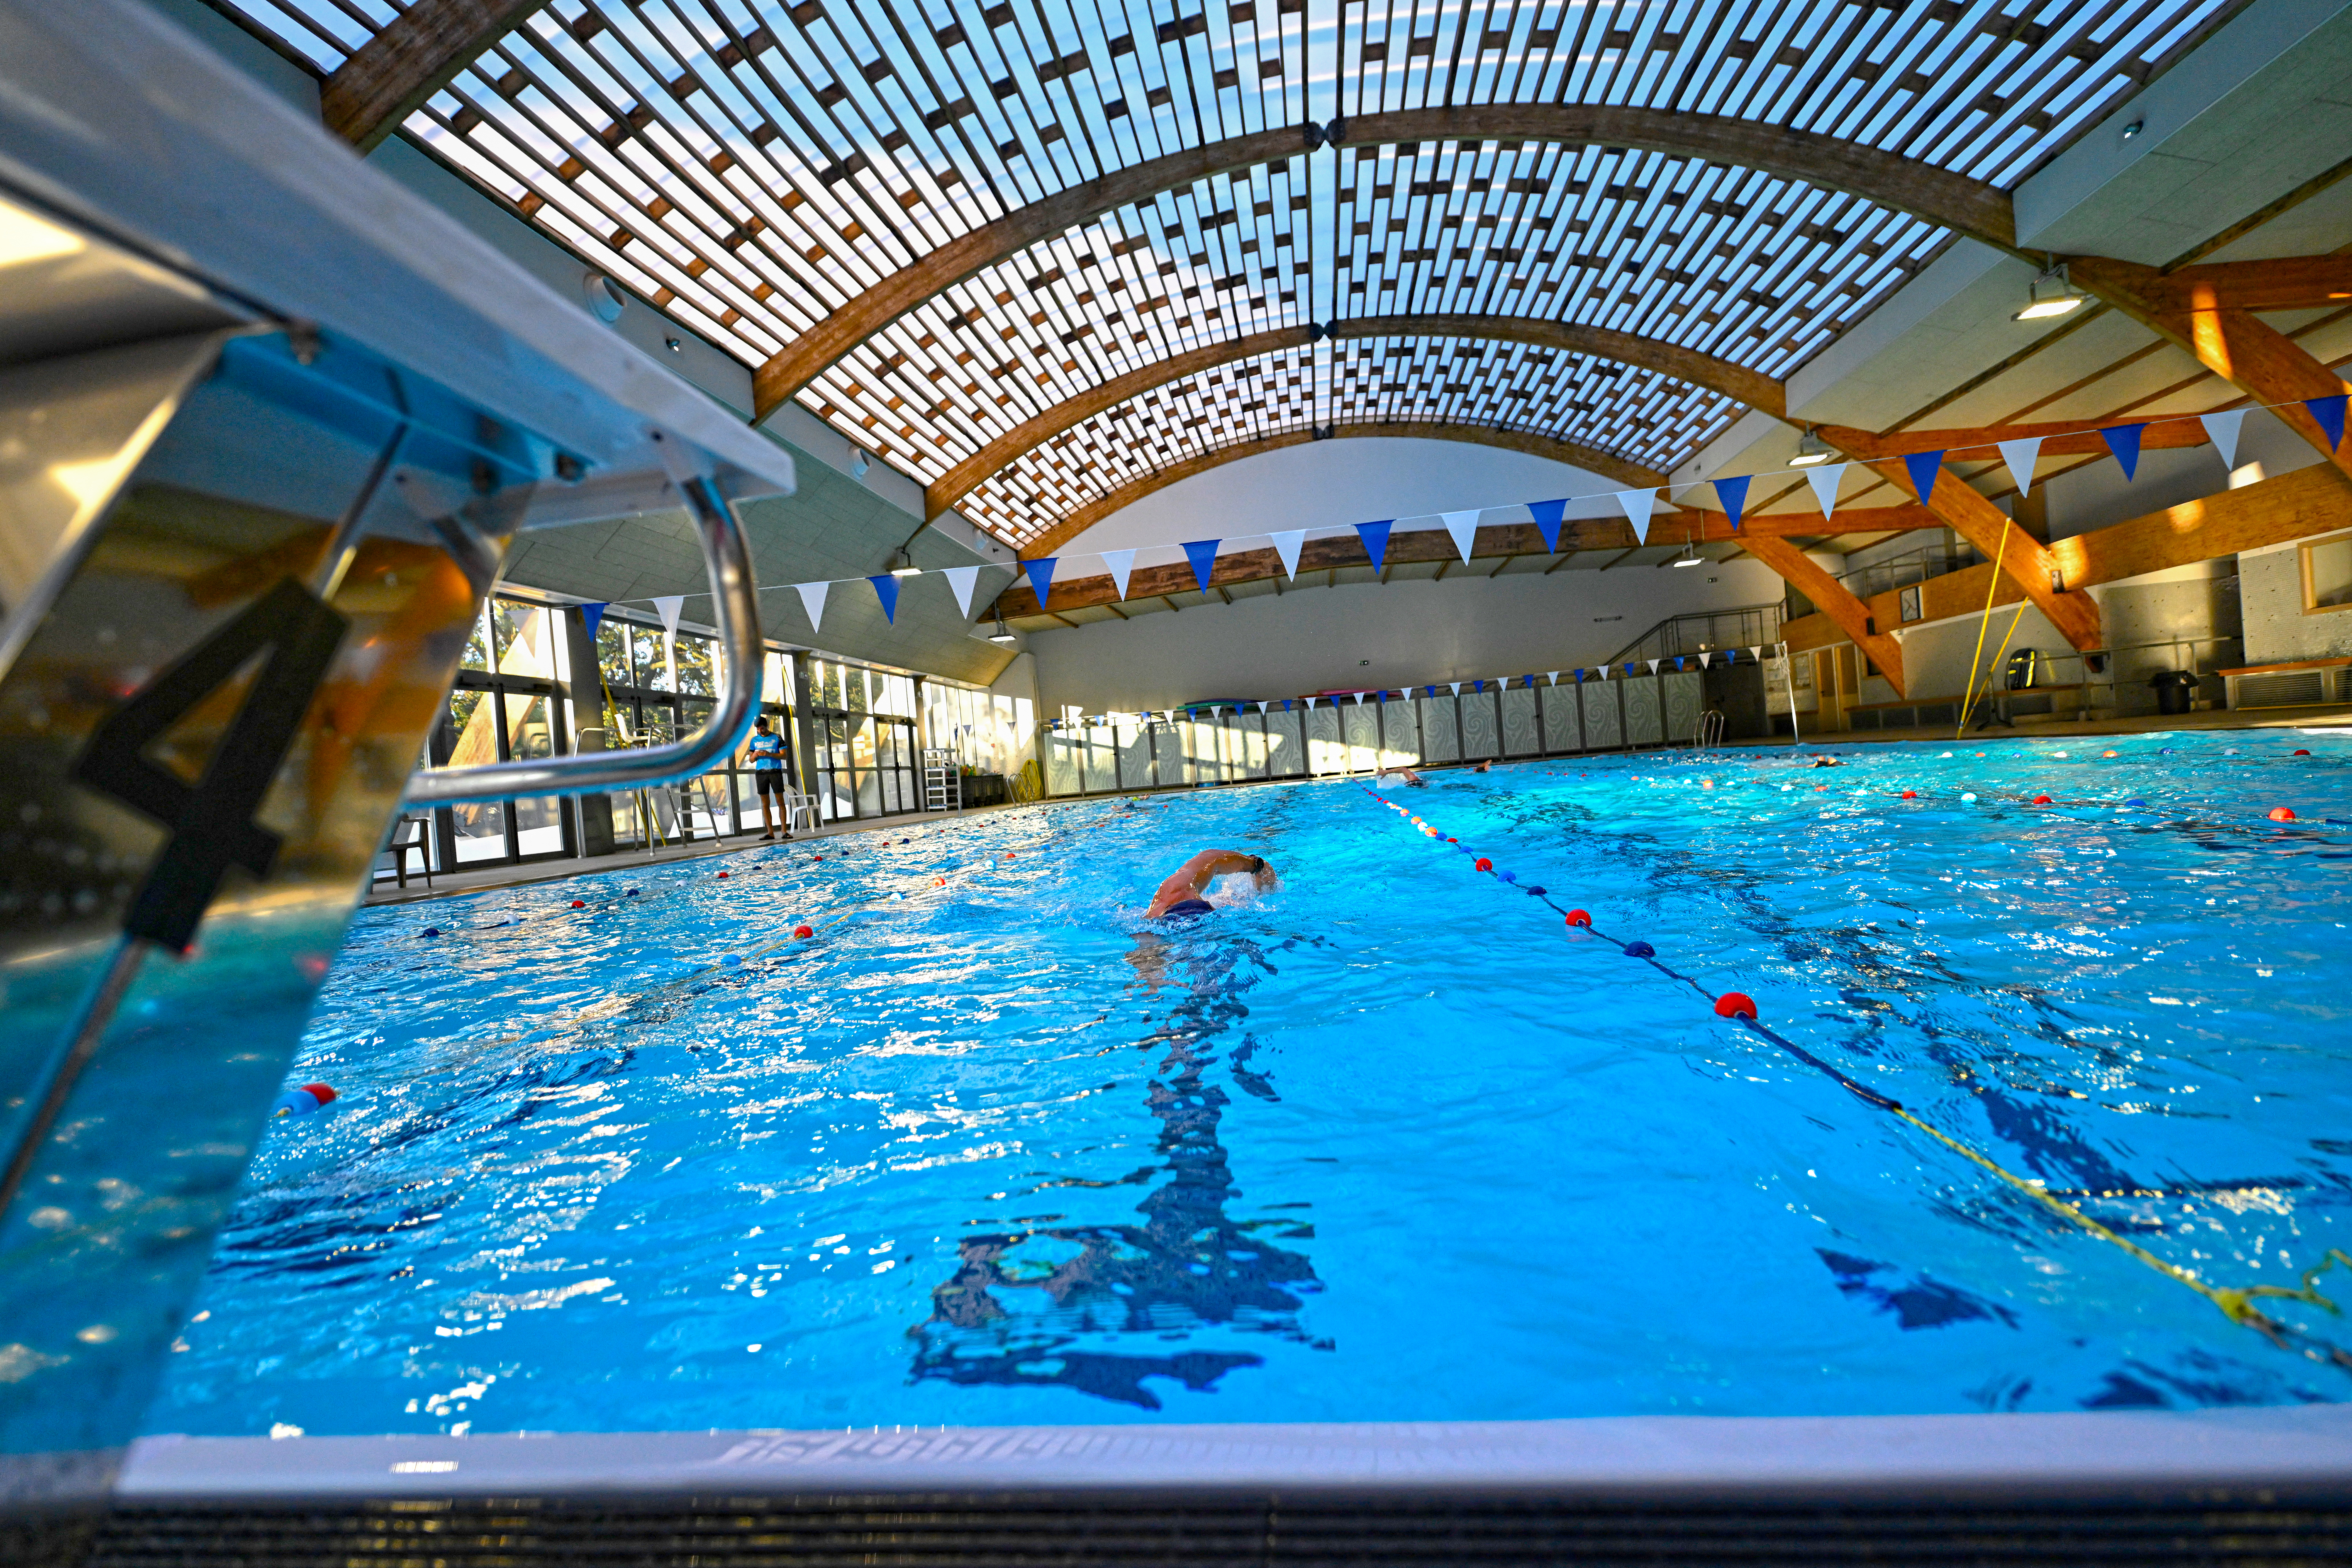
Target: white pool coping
[{"x": 2303, "y": 1450}]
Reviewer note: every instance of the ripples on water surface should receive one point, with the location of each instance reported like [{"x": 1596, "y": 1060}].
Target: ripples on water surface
[{"x": 1386, "y": 1143}]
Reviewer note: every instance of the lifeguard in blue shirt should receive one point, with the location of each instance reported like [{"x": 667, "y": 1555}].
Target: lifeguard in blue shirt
[{"x": 766, "y": 751}]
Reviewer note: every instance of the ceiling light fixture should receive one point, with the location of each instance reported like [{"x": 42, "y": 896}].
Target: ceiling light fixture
[
  {"x": 2051, "y": 295},
  {"x": 904, "y": 565},
  {"x": 1811, "y": 449},
  {"x": 1003, "y": 633},
  {"x": 1689, "y": 556}
]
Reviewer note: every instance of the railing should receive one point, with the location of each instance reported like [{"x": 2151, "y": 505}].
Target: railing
[
  {"x": 1704, "y": 631},
  {"x": 1709, "y": 734},
  {"x": 1903, "y": 571}
]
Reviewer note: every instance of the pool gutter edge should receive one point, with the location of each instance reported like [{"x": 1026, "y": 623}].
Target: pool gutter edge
[{"x": 2275, "y": 1452}]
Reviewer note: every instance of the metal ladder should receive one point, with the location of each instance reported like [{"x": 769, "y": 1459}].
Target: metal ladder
[{"x": 942, "y": 780}]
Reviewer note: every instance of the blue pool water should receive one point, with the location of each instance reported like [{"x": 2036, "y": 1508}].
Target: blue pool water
[{"x": 1390, "y": 1143}]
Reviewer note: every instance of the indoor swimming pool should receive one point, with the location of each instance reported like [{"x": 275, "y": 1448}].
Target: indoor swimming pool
[{"x": 1391, "y": 1142}]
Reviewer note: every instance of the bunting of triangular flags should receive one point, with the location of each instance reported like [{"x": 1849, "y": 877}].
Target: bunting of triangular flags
[
  {"x": 962, "y": 579},
  {"x": 1733, "y": 494},
  {"x": 1547, "y": 516},
  {"x": 2221, "y": 429},
  {"x": 1202, "y": 554},
  {"x": 813, "y": 602},
  {"x": 1638, "y": 505},
  {"x": 2123, "y": 440},
  {"x": 886, "y": 589},
  {"x": 1825, "y": 480},
  {"x": 1923, "y": 467},
  {"x": 1286, "y": 545},
  {"x": 1376, "y": 539},
  {"x": 593, "y": 614},
  {"x": 1463, "y": 527},
  {"x": 1121, "y": 564},
  {"x": 2020, "y": 457}
]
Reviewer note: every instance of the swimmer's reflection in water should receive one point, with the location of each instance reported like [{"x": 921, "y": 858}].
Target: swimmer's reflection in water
[{"x": 1188, "y": 1266}]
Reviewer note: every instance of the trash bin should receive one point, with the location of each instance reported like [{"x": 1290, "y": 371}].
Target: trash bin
[{"x": 2174, "y": 690}]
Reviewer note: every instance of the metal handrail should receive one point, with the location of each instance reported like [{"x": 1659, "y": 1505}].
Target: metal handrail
[{"x": 736, "y": 616}]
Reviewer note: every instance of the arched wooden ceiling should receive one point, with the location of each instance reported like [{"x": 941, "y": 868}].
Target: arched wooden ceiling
[
  {"x": 1596, "y": 342},
  {"x": 932, "y": 223}
]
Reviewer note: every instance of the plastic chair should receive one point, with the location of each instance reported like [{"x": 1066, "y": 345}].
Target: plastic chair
[
  {"x": 799, "y": 810},
  {"x": 408, "y": 833}
]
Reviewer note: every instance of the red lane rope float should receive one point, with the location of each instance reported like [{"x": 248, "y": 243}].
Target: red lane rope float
[{"x": 2235, "y": 1303}]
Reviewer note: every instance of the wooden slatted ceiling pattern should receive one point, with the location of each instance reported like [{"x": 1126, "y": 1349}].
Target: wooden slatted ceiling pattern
[{"x": 752, "y": 166}]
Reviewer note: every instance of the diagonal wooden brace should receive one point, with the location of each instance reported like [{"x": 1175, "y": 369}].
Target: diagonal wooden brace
[
  {"x": 2026, "y": 560},
  {"x": 1851, "y": 615}
]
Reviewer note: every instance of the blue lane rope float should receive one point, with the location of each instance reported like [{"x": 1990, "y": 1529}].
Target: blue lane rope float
[{"x": 2235, "y": 1303}]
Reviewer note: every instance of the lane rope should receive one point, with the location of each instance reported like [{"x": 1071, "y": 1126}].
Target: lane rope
[{"x": 2235, "y": 1303}]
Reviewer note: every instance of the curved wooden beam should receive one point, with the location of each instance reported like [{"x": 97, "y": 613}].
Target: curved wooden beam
[
  {"x": 975, "y": 470},
  {"x": 1598, "y": 342},
  {"x": 389, "y": 77},
  {"x": 1938, "y": 195},
  {"x": 1631, "y": 475},
  {"x": 1735, "y": 381},
  {"x": 1978, "y": 210}
]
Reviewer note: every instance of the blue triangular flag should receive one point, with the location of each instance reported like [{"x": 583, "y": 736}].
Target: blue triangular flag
[
  {"x": 1924, "y": 467},
  {"x": 886, "y": 589},
  {"x": 2329, "y": 412},
  {"x": 1376, "y": 539},
  {"x": 1202, "y": 554},
  {"x": 2123, "y": 440},
  {"x": 1733, "y": 494},
  {"x": 594, "y": 615},
  {"x": 1579, "y": 677},
  {"x": 1546, "y": 515},
  {"x": 1041, "y": 575}
]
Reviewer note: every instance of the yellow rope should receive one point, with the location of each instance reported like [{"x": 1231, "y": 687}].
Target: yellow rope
[
  {"x": 2235, "y": 1303},
  {"x": 1969, "y": 702}
]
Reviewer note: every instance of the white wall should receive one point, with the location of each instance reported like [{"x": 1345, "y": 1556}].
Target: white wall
[
  {"x": 1339, "y": 484},
  {"x": 1407, "y": 633}
]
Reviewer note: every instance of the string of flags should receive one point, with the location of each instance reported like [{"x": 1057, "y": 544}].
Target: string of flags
[
  {"x": 1631, "y": 669},
  {"x": 1638, "y": 505}
]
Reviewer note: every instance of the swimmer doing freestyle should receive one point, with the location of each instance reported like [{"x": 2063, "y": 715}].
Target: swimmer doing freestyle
[{"x": 1181, "y": 893}]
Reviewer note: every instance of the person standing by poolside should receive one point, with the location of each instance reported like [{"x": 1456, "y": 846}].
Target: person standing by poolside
[{"x": 766, "y": 751}]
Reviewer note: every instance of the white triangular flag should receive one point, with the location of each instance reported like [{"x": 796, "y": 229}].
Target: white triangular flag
[
  {"x": 2222, "y": 429},
  {"x": 1453, "y": 686},
  {"x": 1706, "y": 661},
  {"x": 1463, "y": 527},
  {"x": 1825, "y": 481},
  {"x": 1121, "y": 562},
  {"x": 1360, "y": 699},
  {"x": 1285, "y": 545},
  {"x": 1757, "y": 653},
  {"x": 1604, "y": 671},
  {"x": 1261, "y": 707},
  {"x": 1310, "y": 702},
  {"x": 1653, "y": 666},
  {"x": 670, "y": 605},
  {"x": 813, "y": 600},
  {"x": 961, "y": 579},
  {"x": 1638, "y": 505},
  {"x": 1554, "y": 678},
  {"x": 2020, "y": 457}
]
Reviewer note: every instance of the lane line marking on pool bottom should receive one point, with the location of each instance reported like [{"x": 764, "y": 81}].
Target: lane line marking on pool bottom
[{"x": 2235, "y": 1303}]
